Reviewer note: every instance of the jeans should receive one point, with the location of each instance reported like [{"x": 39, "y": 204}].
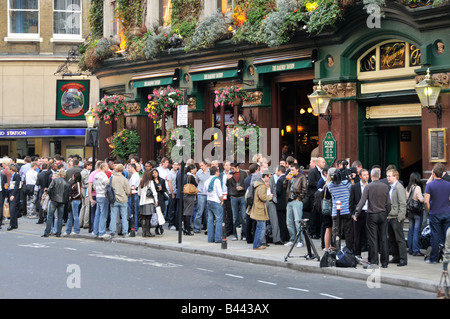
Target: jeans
[
  {"x": 294, "y": 213},
  {"x": 415, "y": 223},
  {"x": 439, "y": 223},
  {"x": 200, "y": 208},
  {"x": 136, "y": 210},
  {"x": 215, "y": 212},
  {"x": 239, "y": 209},
  {"x": 59, "y": 208},
  {"x": 74, "y": 218},
  {"x": 101, "y": 214},
  {"x": 119, "y": 211},
  {"x": 260, "y": 233},
  {"x": 172, "y": 212}
]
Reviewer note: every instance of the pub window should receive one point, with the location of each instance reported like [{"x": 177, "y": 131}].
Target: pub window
[
  {"x": 67, "y": 18},
  {"x": 165, "y": 11},
  {"x": 368, "y": 62},
  {"x": 389, "y": 56},
  {"x": 23, "y": 18}
]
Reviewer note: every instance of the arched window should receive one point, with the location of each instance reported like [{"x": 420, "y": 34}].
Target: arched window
[{"x": 389, "y": 59}]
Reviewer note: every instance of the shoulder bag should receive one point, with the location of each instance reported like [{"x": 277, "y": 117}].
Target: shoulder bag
[
  {"x": 326, "y": 204},
  {"x": 189, "y": 189},
  {"x": 413, "y": 207}
]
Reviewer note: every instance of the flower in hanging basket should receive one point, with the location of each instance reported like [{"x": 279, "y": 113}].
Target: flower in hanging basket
[
  {"x": 110, "y": 108},
  {"x": 230, "y": 95},
  {"x": 124, "y": 143},
  {"x": 163, "y": 101}
]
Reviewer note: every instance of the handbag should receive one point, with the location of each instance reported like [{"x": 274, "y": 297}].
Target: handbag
[
  {"x": 154, "y": 220},
  {"x": 161, "y": 220},
  {"x": 414, "y": 207},
  {"x": 149, "y": 192},
  {"x": 6, "y": 212},
  {"x": 110, "y": 195},
  {"x": 190, "y": 189},
  {"x": 45, "y": 201},
  {"x": 326, "y": 204}
]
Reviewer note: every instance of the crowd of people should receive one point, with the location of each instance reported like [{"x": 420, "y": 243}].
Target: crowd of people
[{"x": 259, "y": 205}]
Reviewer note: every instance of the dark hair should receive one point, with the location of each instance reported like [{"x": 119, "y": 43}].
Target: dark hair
[
  {"x": 282, "y": 169},
  {"x": 77, "y": 177},
  {"x": 190, "y": 168},
  {"x": 253, "y": 168},
  {"x": 439, "y": 170},
  {"x": 154, "y": 170},
  {"x": 296, "y": 166},
  {"x": 414, "y": 179},
  {"x": 213, "y": 170}
]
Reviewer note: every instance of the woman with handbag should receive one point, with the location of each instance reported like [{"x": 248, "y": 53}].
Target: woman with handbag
[
  {"x": 160, "y": 186},
  {"x": 414, "y": 192},
  {"x": 148, "y": 199},
  {"x": 189, "y": 198}
]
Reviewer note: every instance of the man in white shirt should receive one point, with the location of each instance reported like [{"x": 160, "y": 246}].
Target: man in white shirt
[
  {"x": 172, "y": 207},
  {"x": 134, "y": 184},
  {"x": 30, "y": 179},
  {"x": 213, "y": 188}
]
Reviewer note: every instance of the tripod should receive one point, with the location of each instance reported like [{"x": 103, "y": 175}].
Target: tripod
[{"x": 309, "y": 243}]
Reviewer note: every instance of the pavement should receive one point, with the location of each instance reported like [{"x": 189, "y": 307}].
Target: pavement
[{"x": 417, "y": 274}]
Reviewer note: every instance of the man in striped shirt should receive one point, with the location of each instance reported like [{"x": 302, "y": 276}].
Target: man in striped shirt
[{"x": 340, "y": 191}]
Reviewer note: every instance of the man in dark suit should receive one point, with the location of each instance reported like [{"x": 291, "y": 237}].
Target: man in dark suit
[
  {"x": 378, "y": 207},
  {"x": 281, "y": 203},
  {"x": 43, "y": 180},
  {"x": 314, "y": 177},
  {"x": 359, "y": 226},
  {"x": 13, "y": 198},
  {"x": 3, "y": 182}
]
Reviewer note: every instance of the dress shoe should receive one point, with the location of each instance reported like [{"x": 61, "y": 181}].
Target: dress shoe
[
  {"x": 384, "y": 266},
  {"x": 45, "y": 235},
  {"x": 394, "y": 261},
  {"x": 402, "y": 263},
  {"x": 279, "y": 243},
  {"x": 10, "y": 228}
]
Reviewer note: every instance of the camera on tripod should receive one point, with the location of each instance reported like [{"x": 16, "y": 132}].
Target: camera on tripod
[{"x": 344, "y": 173}]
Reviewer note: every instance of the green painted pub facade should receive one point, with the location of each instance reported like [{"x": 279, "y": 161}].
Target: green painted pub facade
[{"x": 370, "y": 70}]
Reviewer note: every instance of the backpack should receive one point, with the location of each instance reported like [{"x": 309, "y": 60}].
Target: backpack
[
  {"x": 110, "y": 195},
  {"x": 250, "y": 195},
  {"x": 345, "y": 258},
  {"x": 328, "y": 259}
]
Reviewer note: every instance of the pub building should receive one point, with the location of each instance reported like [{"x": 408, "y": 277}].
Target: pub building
[{"x": 369, "y": 73}]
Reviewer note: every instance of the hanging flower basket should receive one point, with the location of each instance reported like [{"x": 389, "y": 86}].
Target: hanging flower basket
[
  {"x": 230, "y": 96},
  {"x": 110, "y": 108},
  {"x": 124, "y": 143},
  {"x": 163, "y": 101}
]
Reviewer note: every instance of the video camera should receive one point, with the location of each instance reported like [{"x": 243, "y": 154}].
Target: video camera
[{"x": 344, "y": 173}]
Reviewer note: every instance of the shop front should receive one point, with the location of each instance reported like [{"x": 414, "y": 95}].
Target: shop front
[
  {"x": 45, "y": 142},
  {"x": 375, "y": 112}
]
